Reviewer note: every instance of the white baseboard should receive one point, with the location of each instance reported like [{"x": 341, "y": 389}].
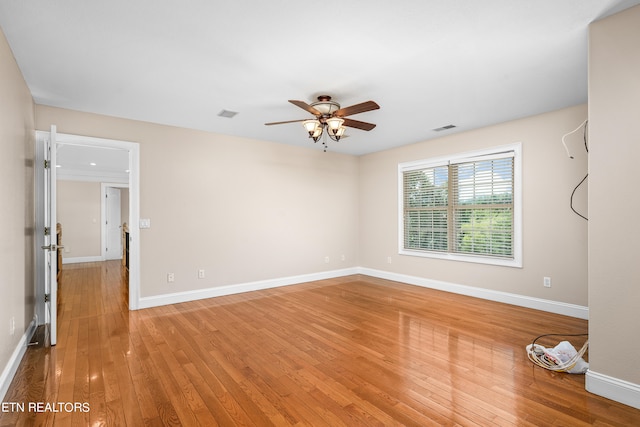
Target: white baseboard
[
  {"x": 566, "y": 309},
  {"x": 178, "y": 297},
  {"x": 613, "y": 388},
  {"x": 14, "y": 361},
  {"x": 81, "y": 259}
]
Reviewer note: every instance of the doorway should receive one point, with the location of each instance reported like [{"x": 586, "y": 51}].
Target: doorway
[
  {"x": 115, "y": 216},
  {"x": 81, "y": 144}
]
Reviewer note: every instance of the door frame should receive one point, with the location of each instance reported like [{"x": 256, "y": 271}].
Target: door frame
[
  {"x": 134, "y": 209},
  {"x": 103, "y": 213}
]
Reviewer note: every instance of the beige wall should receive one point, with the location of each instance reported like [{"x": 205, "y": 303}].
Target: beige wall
[
  {"x": 291, "y": 206},
  {"x": 241, "y": 209},
  {"x": 17, "y": 197},
  {"x": 555, "y": 239},
  {"x": 79, "y": 213},
  {"x": 614, "y": 202}
]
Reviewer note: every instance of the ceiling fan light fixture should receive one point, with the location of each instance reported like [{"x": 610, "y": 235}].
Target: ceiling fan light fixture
[
  {"x": 335, "y": 135},
  {"x": 311, "y": 126},
  {"x": 317, "y": 134},
  {"x": 329, "y": 117},
  {"x": 334, "y": 124},
  {"x": 325, "y": 105}
]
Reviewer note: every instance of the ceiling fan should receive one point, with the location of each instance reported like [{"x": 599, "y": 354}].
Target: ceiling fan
[{"x": 329, "y": 116}]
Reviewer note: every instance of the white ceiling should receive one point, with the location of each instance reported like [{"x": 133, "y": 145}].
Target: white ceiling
[
  {"x": 427, "y": 63},
  {"x": 79, "y": 162}
]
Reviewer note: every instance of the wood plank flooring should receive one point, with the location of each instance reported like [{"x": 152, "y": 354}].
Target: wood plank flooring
[{"x": 354, "y": 351}]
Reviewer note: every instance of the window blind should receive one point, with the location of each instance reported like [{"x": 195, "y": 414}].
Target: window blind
[
  {"x": 463, "y": 206},
  {"x": 482, "y": 207},
  {"x": 426, "y": 209}
]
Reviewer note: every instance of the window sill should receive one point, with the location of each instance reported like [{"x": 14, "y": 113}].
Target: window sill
[{"x": 478, "y": 259}]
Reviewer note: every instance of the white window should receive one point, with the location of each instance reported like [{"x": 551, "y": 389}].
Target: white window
[{"x": 465, "y": 207}]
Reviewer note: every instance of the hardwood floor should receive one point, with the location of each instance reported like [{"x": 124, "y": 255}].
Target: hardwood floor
[{"x": 354, "y": 351}]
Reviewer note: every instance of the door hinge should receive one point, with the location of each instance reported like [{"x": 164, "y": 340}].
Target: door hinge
[
  {"x": 46, "y": 164},
  {"x": 47, "y": 297},
  {"x": 47, "y": 231}
]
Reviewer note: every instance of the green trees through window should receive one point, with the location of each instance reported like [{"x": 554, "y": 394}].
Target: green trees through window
[{"x": 464, "y": 207}]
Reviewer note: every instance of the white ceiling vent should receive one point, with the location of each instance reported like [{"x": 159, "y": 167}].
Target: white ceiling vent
[
  {"x": 228, "y": 114},
  {"x": 447, "y": 127}
]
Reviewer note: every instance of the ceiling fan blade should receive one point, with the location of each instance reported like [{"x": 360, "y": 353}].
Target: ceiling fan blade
[
  {"x": 355, "y": 109},
  {"x": 358, "y": 124},
  {"x": 306, "y": 107},
  {"x": 288, "y": 121}
]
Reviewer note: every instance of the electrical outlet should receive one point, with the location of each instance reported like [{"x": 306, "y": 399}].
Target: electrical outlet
[
  {"x": 171, "y": 277},
  {"x": 201, "y": 273},
  {"x": 388, "y": 260},
  {"x": 343, "y": 257},
  {"x": 326, "y": 260},
  {"x": 546, "y": 282}
]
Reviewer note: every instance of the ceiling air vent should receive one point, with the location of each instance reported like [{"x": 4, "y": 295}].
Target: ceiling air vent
[
  {"x": 228, "y": 114},
  {"x": 447, "y": 127}
]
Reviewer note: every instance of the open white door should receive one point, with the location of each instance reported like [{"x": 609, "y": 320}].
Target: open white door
[
  {"x": 113, "y": 224},
  {"x": 51, "y": 239}
]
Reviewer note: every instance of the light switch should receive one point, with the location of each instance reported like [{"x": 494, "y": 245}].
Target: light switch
[{"x": 145, "y": 223}]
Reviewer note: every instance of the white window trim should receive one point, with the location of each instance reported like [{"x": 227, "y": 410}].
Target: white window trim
[{"x": 516, "y": 148}]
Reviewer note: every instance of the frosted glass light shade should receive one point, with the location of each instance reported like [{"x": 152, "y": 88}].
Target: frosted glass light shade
[
  {"x": 334, "y": 123},
  {"x": 311, "y": 126}
]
